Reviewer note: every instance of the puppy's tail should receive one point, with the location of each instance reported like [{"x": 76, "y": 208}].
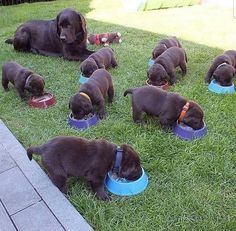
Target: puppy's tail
[
  {"x": 128, "y": 91},
  {"x": 33, "y": 149},
  {"x": 9, "y": 41}
]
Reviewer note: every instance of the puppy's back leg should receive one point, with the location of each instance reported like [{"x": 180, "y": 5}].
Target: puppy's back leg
[
  {"x": 110, "y": 93},
  {"x": 22, "y": 41},
  {"x": 59, "y": 181},
  {"x": 137, "y": 112},
  {"x": 183, "y": 67}
]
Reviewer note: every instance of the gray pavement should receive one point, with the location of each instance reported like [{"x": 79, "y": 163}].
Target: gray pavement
[{"x": 28, "y": 199}]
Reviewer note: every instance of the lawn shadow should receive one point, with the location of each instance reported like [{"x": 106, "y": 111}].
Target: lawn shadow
[{"x": 184, "y": 176}]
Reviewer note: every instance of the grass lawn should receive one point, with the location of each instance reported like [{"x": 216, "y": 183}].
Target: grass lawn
[{"x": 191, "y": 184}]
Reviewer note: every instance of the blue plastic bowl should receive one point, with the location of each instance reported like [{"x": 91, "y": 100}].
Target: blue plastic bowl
[
  {"x": 150, "y": 62},
  {"x": 215, "y": 87},
  {"x": 187, "y": 133},
  {"x": 123, "y": 187},
  {"x": 83, "y": 79},
  {"x": 83, "y": 123}
]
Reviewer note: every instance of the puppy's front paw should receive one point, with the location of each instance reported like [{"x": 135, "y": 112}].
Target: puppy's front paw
[{"x": 103, "y": 196}]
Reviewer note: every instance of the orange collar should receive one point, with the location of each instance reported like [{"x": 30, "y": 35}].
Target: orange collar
[
  {"x": 85, "y": 95},
  {"x": 183, "y": 112}
]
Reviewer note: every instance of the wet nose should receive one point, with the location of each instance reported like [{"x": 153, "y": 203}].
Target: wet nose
[{"x": 63, "y": 38}]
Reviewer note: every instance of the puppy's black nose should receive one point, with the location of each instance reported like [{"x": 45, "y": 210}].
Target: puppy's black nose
[{"x": 63, "y": 38}]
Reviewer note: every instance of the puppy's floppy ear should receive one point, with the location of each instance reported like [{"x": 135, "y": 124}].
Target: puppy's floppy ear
[
  {"x": 214, "y": 76},
  {"x": 57, "y": 26},
  {"x": 70, "y": 102},
  {"x": 83, "y": 22}
]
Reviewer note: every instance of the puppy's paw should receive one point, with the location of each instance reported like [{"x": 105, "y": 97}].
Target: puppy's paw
[
  {"x": 103, "y": 196},
  {"x": 101, "y": 116}
]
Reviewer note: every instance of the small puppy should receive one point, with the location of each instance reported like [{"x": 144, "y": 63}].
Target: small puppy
[
  {"x": 22, "y": 78},
  {"x": 163, "y": 68},
  {"x": 163, "y": 45},
  {"x": 166, "y": 105},
  {"x": 93, "y": 159},
  {"x": 103, "y": 58},
  {"x": 91, "y": 93},
  {"x": 223, "y": 68}
]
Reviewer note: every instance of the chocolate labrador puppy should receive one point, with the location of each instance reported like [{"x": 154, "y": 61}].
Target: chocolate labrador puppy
[
  {"x": 103, "y": 58},
  {"x": 92, "y": 93},
  {"x": 65, "y": 36},
  {"x": 223, "y": 68},
  {"x": 93, "y": 159},
  {"x": 22, "y": 78},
  {"x": 166, "y": 105},
  {"x": 163, "y": 45},
  {"x": 163, "y": 68}
]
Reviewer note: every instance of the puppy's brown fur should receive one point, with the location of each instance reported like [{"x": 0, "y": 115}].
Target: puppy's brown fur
[
  {"x": 92, "y": 159},
  {"x": 97, "y": 88},
  {"x": 22, "y": 78},
  {"x": 103, "y": 58},
  {"x": 163, "y": 69},
  {"x": 164, "y": 44},
  {"x": 166, "y": 105},
  {"x": 223, "y": 68},
  {"x": 65, "y": 36}
]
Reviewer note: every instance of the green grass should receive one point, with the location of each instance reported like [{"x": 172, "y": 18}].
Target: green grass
[{"x": 191, "y": 184}]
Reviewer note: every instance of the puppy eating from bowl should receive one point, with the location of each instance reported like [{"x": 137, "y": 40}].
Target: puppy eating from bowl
[
  {"x": 167, "y": 106},
  {"x": 103, "y": 58},
  {"x": 164, "y": 44},
  {"x": 22, "y": 78},
  {"x": 92, "y": 93},
  {"x": 222, "y": 69},
  {"x": 67, "y": 156},
  {"x": 163, "y": 68}
]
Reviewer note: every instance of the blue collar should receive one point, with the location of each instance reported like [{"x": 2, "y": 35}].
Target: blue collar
[{"x": 118, "y": 159}]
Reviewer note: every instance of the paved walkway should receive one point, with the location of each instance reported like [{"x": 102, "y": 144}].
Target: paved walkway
[{"x": 28, "y": 199}]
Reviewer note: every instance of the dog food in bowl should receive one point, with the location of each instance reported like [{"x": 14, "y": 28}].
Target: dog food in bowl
[
  {"x": 83, "y": 79},
  {"x": 123, "y": 187},
  {"x": 44, "y": 101},
  {"x": 217, "y": 88},
  {"x": 187, "y": 133},
  {"x": 88, "y": 121},
  {"x": 165, "y": 86}
]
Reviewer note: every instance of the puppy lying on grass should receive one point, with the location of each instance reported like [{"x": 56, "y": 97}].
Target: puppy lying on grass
[
  {"x": 71, "y": 156},
  {"x": 223, "y": 68},
  {"x": 103, "y": 58},
  {"x": 163, "y": 68},
  {"x": 92, "y": 93},
  {"x": 22, "y": 78},
  {"x": 164, "y": 44},
  {"x": 166, "y": 105}
]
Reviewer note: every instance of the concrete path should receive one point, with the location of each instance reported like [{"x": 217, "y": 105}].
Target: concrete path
[{"x": 28, "y": 199}]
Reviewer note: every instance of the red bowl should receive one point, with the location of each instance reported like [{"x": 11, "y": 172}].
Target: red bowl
[
  {"x": 165, "y": 86},
  {"x": 44, "y": 101}
]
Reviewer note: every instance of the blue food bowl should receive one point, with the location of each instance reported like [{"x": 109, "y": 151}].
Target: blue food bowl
[
  {"x": 215, "y": 87},
  {"x": 83, "y": 123},
  {"x": 123, "y": 187},
  {"x": 150, "y": 62},
  {"x": 83, "y": 79},
  {"x": 187, "y": 133}
]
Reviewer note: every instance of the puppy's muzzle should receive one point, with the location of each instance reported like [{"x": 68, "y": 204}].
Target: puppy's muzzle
[{"x": 63, "y": 38}]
